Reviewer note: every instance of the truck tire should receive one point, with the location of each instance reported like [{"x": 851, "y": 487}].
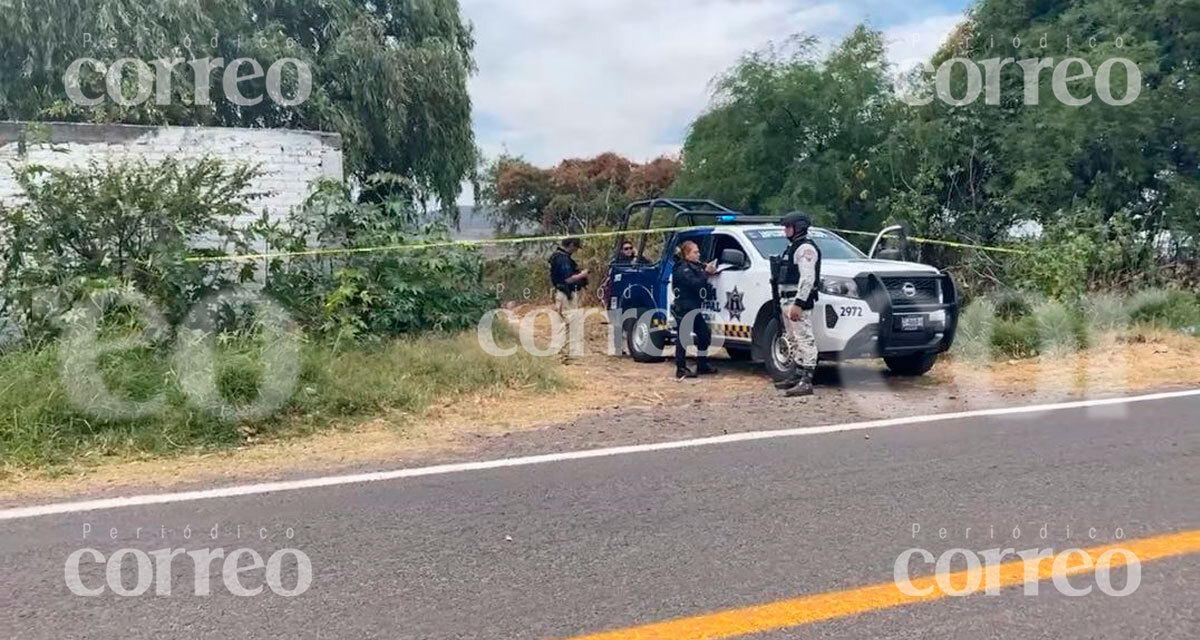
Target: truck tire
[
  {"x": 776, "y": 355},
  {"x": 645, "y": 344},
  {"x": 915, "y": 365}
]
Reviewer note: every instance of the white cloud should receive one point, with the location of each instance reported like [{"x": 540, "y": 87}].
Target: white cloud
[{"x": 563, "y": 78}]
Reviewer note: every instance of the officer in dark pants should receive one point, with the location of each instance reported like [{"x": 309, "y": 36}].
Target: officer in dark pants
[{"x": 690, "y": 279}]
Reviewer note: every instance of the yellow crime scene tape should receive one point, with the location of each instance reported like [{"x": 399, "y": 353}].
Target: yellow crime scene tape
[
  {"x": 946, "y": 243},
  {"x": 250, "y": 257},
  {"x": 427, "y": 245}
]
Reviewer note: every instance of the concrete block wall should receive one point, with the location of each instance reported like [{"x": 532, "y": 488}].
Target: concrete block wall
[{"x": 290, "y": 160}]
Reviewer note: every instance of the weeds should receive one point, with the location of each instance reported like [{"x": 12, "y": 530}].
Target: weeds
[
  {"x": 40, "y": 427},
  {"x": 1013, "y": 326},
  {"x": 1177, "y": 310}
]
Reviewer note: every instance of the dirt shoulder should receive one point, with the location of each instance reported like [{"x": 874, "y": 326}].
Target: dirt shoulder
[{"x": 614, "y": 401}]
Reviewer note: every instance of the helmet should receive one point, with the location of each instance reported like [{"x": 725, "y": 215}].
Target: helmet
[{"x": 797, "y": 220}]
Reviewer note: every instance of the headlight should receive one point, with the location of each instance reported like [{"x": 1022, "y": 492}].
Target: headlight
[{"x": 837, "y": 286}]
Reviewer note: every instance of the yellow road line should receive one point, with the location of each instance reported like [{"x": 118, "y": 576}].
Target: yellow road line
[{"x": 839, "y": 604}]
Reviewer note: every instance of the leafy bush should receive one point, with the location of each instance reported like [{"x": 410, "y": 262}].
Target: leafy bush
[
  {"x": 1084, "y": 250},
  {"x": 1016, "y": 339},
  {"x": 1012, "y": 305},
  {"x": 360, "y": 294},
  {"x": 81, "y": 230}
]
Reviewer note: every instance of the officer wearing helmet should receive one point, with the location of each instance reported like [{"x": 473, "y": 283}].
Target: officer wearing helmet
[{"x": 802, "y": 264}]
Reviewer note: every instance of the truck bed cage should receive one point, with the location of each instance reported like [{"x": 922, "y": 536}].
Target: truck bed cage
[{"x": 689, "y": 212}]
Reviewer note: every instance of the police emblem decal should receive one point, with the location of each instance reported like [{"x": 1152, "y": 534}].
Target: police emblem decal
[{"x": 734, "y": 304}]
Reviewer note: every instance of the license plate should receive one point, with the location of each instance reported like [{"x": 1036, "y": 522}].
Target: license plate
[{"x": 912, "y": 323}]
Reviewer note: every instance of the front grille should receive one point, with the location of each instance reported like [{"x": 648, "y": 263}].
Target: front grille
[{"x": 914, "y": 291}]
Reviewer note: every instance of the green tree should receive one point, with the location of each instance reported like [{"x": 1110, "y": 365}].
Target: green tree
[
  {"x": 977, "y": 169},
  {"x": 789, "y": 129},
  {"x": 389, "y": 75}
]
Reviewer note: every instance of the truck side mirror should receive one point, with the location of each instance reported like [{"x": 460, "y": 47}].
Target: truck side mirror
[
  {"x": 890, "y": 254},
  {"x": 733, "y": 258}
]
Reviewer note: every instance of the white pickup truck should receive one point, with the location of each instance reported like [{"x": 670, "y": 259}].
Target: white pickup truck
[{"x": 903, "y": 312}]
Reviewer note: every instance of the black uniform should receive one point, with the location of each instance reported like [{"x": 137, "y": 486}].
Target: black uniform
[
  {"x": 563, "y": 266},
  {"x": 691, "y": 288}
]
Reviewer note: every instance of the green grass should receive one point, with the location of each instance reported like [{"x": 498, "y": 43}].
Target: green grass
[
  {"x": 1011, "y": 326},
  {"x": 43, "y": 427},
  {"x": 1167, "y": 309}
]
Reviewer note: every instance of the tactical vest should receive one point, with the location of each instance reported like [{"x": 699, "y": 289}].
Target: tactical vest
[{"x": 791, "y": 273}]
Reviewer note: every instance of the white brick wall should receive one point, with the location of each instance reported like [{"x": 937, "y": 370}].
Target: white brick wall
[{"x": 289, "y": 160}]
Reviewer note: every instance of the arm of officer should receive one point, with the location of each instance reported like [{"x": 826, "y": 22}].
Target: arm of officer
[{"x": 806, "y": 261}]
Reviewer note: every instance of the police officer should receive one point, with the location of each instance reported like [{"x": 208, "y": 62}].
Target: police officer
[
  {"x": 690, "y": 279},
  {"x": 798, "y": 312},
  {"x": 568, "y": 281}
]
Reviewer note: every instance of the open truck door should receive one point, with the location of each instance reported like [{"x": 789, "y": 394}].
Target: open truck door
[{"x": 891, "y": 244}]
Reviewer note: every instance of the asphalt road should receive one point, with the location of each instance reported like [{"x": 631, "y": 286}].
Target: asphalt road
[{"x": 563, "y": 549}]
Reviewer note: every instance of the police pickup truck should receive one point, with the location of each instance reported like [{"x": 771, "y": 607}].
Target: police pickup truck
[{"x": 903, "y": 312}]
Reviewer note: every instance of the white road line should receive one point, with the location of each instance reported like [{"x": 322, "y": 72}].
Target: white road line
[{"x": 330, "y": 481}]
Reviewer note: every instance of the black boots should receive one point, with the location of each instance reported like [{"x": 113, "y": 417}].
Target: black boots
[
  {"x": 799, "y": 385},
  {"x": 703, "y": 368},
  {"x": 803, "y": 387},
  {"x": 790, "y": 381},
  {"x": 684, "y": 373}
]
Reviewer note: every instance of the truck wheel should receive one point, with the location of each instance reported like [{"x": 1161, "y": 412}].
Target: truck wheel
[
  {"x": 777, "y": 355},
  {"x": 915, "y": 365},
  {"x": 645, "y": 344},
  {"x": 740, "y": 354}
]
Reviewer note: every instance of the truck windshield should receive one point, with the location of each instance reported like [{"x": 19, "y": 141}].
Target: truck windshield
[{"x": 772, "y": 242}]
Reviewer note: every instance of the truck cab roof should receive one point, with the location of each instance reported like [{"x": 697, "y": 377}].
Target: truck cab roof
[{"x": 839, "y": 257}]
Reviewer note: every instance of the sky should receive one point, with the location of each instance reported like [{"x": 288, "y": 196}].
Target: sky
[{"x": 575, "y": 78}]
